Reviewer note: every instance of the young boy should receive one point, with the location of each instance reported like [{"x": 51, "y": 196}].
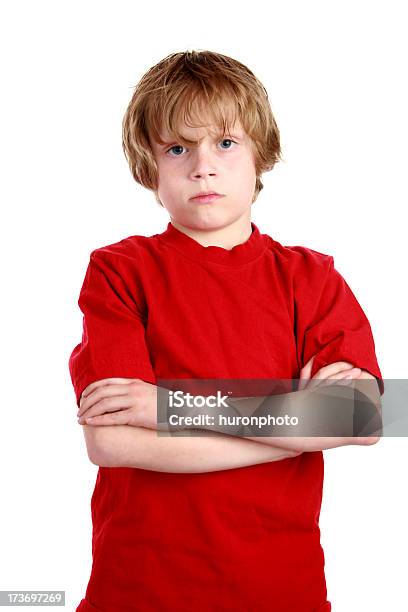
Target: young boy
[{"x": 212, "y": 523}]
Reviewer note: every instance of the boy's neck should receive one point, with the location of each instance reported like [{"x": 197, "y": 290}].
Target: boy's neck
[{"x": 226, "y": 236}]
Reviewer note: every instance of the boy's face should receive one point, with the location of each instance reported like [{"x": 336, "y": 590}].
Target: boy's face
[{"x": 224, "y": 165}]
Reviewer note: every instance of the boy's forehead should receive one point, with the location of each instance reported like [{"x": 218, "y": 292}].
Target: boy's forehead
[{"x": 200, "y": 132}]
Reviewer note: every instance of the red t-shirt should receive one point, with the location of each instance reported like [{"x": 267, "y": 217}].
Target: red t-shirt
[{"x": 164, "y": 306}]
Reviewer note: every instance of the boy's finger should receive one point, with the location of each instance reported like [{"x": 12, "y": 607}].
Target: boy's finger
[
  {"x": 305, "y": 373},
  {"x": 307, "y": 369},
  {"x": 115, "y": 404},
  {"x": 120, "y": 417},
  {"x": 323, "y": 373},
  {"x": 313, "y": 383},
  {"x": 114, "y": 401},
  {"x": 105, "y": 381},
  {"x": 99, "y": 393},
  {"x": 332, "y": 369}
]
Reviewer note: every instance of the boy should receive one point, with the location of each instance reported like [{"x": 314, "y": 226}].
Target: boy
[{"x": 212, "y": 523}]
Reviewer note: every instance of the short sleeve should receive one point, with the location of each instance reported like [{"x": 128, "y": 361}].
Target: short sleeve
[
  {"x": 113, "y": 337},
  {"x": 330, "y": 322}
]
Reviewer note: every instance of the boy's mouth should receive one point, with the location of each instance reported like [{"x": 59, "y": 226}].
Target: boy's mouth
[{"x": 206, "y": 196}]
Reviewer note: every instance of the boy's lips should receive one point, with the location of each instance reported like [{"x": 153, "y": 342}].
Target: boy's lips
[{"x": 206, "y": 197}]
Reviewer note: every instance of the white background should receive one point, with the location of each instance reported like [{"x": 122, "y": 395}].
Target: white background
[{"x": 336, "y": 77}]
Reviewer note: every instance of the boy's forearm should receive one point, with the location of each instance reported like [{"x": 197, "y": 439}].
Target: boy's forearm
[
  {"x": 296, "y": 401},
  {"x": 316, "y": 443},
  {"x": 310, "y": 444},
  {"x": 128, "y": 446}
]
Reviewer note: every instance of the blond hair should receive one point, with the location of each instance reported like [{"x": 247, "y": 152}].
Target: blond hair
[{"x": 166, "y": 94}]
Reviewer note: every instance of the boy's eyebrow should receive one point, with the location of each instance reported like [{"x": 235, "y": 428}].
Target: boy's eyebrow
[{"x": 232, "y": 134}]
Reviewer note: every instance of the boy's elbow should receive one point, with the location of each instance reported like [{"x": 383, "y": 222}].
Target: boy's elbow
[
  {"x": 369, "y": 441},
  {"x": 98, "y": 445}
]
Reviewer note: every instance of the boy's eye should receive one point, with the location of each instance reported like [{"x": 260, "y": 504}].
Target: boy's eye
[
  {"x": 228, "y": 140},
  {"x": 175, "y": 147}
]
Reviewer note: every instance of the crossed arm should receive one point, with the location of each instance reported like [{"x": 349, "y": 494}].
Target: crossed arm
[
  {"x": 129, "y": 446},
  {"x": 122, "y": 431}
]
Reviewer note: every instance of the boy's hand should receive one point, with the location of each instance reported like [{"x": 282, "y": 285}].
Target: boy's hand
[
  {"x": 119, "y": 401},
  {"x": 337, "y": 371}
]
